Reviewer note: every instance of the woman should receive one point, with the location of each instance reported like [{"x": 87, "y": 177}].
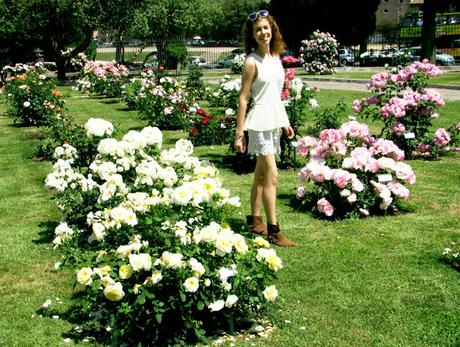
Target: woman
[{"x": 263, "y": 78}]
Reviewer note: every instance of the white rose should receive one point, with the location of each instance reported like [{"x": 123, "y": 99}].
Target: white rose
[
  {"x": 114, "y": 292},
  {"x": 191, "y": 284},
  {"x": 231, "y": 300},
  {"x": 270, "y": 293},
  {"x": 216, "y": 306}
]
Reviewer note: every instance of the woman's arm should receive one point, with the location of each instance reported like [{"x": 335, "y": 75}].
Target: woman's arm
[{"x": 248, "y": 76}]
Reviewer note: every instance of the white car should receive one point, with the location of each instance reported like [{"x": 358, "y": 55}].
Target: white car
[{"x": 441, "y": 58}]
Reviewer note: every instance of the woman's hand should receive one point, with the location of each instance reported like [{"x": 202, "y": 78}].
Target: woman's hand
[
  {"x": 240, "y": 144},
  {"x": 289, "y": 132}
]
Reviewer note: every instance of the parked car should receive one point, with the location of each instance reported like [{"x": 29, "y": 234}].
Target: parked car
[
  {"x": 200, "y": 61},
  {"x": 227, "y": 61},
  {"x": 390, "y": 56},
  {"x": 346, "y": 56},
  {"x": 441, "y": 58}
]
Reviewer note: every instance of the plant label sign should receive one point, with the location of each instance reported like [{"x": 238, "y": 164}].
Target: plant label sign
[
  {"x": 294, "y": 144},
  {"x": 384, "y": 178},
  {"x": 408, "y": 136}
]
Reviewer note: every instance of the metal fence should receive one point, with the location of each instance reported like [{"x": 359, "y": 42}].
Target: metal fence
[{"x": 399, "y": 45}]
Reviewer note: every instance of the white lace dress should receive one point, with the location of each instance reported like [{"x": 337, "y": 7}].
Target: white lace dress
[{"x": 268, "y": 115}]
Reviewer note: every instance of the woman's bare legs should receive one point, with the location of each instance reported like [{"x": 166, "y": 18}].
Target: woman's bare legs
[{"x": 264, "y": 187}]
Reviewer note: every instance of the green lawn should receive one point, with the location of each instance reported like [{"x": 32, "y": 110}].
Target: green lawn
[{"x": 372, "y": 282}]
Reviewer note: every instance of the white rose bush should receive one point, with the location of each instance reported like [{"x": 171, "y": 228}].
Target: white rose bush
[
  {"x": 351, "y": 174},
  {"x": 146, "y": 230}
]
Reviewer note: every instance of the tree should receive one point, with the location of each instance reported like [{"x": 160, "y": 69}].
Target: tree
[
  {"x": 52, "y": 26},
  {"x": 350, "y": 21},
  {"x": 430, "y": 7}
]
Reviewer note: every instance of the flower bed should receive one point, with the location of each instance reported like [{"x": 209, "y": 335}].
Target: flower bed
[
  {"x": 31, "y": 94},
  {"x": 352, "y": 173},
  {"x": 146, "y": 228}
]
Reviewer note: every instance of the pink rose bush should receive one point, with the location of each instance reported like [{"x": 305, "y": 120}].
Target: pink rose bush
[
  {"x": 145, "y": 228},
  {"x": 319, "y": 54},
  {"x": 102, "y": 78},
  {"x": 407, "y": 108},
  {"x": 352, "y": 174}
]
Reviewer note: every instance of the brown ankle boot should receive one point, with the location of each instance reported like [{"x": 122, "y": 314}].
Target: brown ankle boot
[
  {"x": 256, "y": 225},
  {"x": 276, "y": 236}
]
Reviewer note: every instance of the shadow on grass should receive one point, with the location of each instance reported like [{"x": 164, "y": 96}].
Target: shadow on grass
[
  {"x": 84, "y": 328},
  {"x": 46, "y": 233}
]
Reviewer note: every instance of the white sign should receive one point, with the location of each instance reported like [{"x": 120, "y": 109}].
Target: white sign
[
  {"x": 408, "y": 136},
  {"x": 383, "y": 178},
  {"x": 294, "y": 144}
]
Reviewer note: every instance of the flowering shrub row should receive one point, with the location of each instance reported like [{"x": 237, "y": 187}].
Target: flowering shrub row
[
  {"x": 407, "y": 108},
  {"x": 146, "y": 228},
  {"x": 31, "y": 94},
  {"x": 352, "y": 173},
  {"x": 319, "y": 54}
]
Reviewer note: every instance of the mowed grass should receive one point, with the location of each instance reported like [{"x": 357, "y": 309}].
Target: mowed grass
[{"x": 372, "y": 282}]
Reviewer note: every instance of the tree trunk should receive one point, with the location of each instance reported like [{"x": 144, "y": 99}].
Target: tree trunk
[{"x": 429, "y": 30}]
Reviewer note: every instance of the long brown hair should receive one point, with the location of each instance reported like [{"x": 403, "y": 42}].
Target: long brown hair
[{"x": 277, "y": 45}]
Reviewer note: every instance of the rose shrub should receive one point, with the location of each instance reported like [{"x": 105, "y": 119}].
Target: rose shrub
[
  {"x": 319, "y": 54},
  {"x": 407, "y": 108},
  {"x": 161, "y": 100},
  {"x": 238, "y": 63},
  {"x": 146, "y": 229},
  {"x": 212, "y": 130},
  {"x": 31, "y": 94},
  {"x": 102, "y": 78},
  {"x": 227, "y": 93},
  {"x": 352, "y": 173}
]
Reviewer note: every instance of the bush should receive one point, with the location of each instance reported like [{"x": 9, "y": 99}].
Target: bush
[
  {"x": 146, "y": 229},
  {"x": 327, "y": 118},
  {"x": 164, "y": 102},
  {"x": 194, "y": 83},
  {"x": 407, "y": 108},
  {"x": 352, "y": 174},
  {"x": 175, "y": 54},
  {"x": 319, "y": 54},
  {"x": 227, "y": 93},
  {"x": 31, "y": 95},
  {"x": 237, "y": 63},
  {"x": 105, "y": 79},
  {"x": 212, "y": 130}
]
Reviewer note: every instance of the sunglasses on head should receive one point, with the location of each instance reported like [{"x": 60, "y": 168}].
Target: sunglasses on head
[{"x": 253, "y": 16}]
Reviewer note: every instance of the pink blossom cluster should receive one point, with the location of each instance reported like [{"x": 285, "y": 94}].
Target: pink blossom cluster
[
  {"x": 352, "y": 161},
  {"x": 288, "y": 77},
  {"x": 399, "y": 106},
  {"x": 441, "y": 138},
  {"x": 381, "y": 80},
  {"x": 289, "y": 59},
  {"x": 109, "y": 68}
]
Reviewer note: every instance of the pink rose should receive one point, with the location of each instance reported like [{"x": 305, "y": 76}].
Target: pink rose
[{"x": 325, "y": 207}]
